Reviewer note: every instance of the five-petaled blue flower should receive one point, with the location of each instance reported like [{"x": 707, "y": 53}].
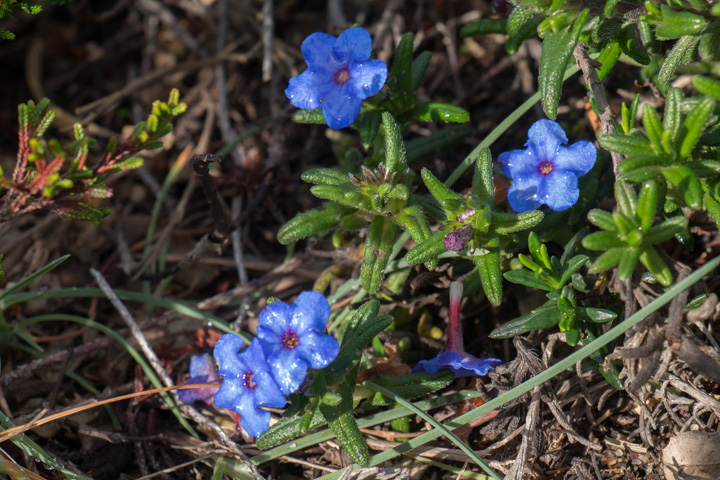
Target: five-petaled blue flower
[
  {"x": 202, "y": 370},
  {"x": 247, "y": 384},
  {"x": 546, "y": 172},
  {"x": 339, "y": 76},
  {"x": 291, "y": 338},
  {"x": 454, "y": 356}
]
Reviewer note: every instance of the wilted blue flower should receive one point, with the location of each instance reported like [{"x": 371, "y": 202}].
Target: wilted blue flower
[
  {"x": 546, "y": 172},
  {"x": 454, "y": 356},
  {"x": 291, "y": 338},
  {"x": 202, "y": 370},
  {"x": 247, "y": 383},
  {"x": 339, "y": 76}
]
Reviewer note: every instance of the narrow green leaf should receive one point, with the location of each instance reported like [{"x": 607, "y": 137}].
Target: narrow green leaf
[
  {"x": 287, "y": 429},
  {"x": 518, "y": 17},
  {"x": 369, "y": 123},
  {"x": 602, "y": 219},
  {"x": 645, "y": 160},
  {"x": 36, "y": 274},
  {"x": 709, "y": 45},
  {"x": 556, "y": 53},
  {"x": 437, "y": 188},
  {"x": 687, "y": 182},
  {"x": 683, "y": 46},
  {"x": 309, "y": 116},
  {"x": 607, "y": 260},
  {"x": 527, "y": 278},
  {"x": 400, "y": 77},
  {"x": 440, "y": 112},
  {"x": 636, "y": 144},
  {"x": 655, "y": 265},
  {"x": 482, "y": 182},
  {"x": 325, "y": 176},
  {"x": 506, "y": 223},
  {"x": 673, "y": 114},
  {"x": 608, "y": 58},
  {"x": 653, "y": 127},
  {"x": 413, "y": 220},
  {"x": 666, "y": 230},
  {"x": 378, "y": 245},
  {"x": 598, "y": 315},
  {"x": 395, "y": 155},
  {"x": 490, "y": 273},
  {"x": 572, "y": 266},
  {"x": 411, "y": 386},
  {"x": 342, "y": 421},
  {"x": 544, "y": 319},
  {"x": 427, "y": 250},
  {"x": 603, "y": 240},
  {"x": 419, "y": 68},
  {"x": 694, "y": 125},
  {"x": 639, "y": 175},
  {"x": 631, "y": 47},
  {"x": 647, "y": 204},
  {"x": 312, "y": 222},
  {"x": 626, "y": 198},
  {"x": 628, "y": 261},
  {"x": 483, "y": 27},
  {"x": 676, "y": 24}
]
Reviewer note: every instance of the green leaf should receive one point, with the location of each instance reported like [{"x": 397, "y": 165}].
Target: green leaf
[
  {"x": 637, "y": 144},
  {"x": 628, "y": 261},
  {"x": 666, "y": 230},
  {"x": 543, "y": 319},
  {"x": 437, "y": 188},
  {"x": 127, "y": 164},
  {"x": 312, "y": 222},
  {"x": 309, "y": 116},
  {"x": 673, "y": 113},
  {"x": 647, "y": 204},
  {"x": 694, "y": 125},
  {"x": 608, "y": 58},
  {"x": 325, "y": 176},
  {"x": 506, "y": 223},
  {"x": 709, "y": 45},
  {"x": 484, "y": 26},
  {"x": 572, "y": 266},
  {"x": 427, "y": 250},
  {"x": 363, "y": 314},
  {"x": 369, "y": 123},
  {"x": 626, "y": 199},
  {"x": 655, "y": 265},
  {"x": 520, "y": 16},
  {"x": 515, "y": 327},
  {"x": 602, "y": 219},
  {"x": 482, "y": 182},
  {"x": 449, "y": 137},
  {"x": 598, "y": 315},
  {"x": 378, "y": 245},
  {"x": 653, "y": 127},
  {"x": 607, "y": 260},
  {"x": 395, "y": 155},
  {"x": 631, "y": 47},
  {"x": 677, "y": 55},
  {"x": 419, "y": 68},
  {"x": 527, "y": 278},
  {"x": 353, "y": 198},
  {"x": 411, "y": 386},
  {"x": 343, "y": 424},
  {"x": 687, "y": 182},
  {"x": 400, "y": 77},
  {"x": 412, "y": 219},
  {"x": 440, "y": 112},
  {"x": 369, "y": 325},
  {"x": 639, "y": 175},
  {"x": 36, "y": 274},
  {"x": 696, "y": 302},
  {"x": 287, "y": 429},
  {"x": 490, "y": 273},
  {"x": 646, "y": 160},
  {"x": 676, "y": 24},
  {"x": 603, "y": 240},
  {"x": 556, "y": 53}
]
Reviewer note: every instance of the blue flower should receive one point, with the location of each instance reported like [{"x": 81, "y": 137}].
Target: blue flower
[
  {"x": 202, "y": 370},
  {"x": 339, "y": 76},
  {"x": 453, "y": 355},
  {"x": 247, "y": 383},
  {"x": 291, "y": 338},
  {"x": 546, "y": 172}
]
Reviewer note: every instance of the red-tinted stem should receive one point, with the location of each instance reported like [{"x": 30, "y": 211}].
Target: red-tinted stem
[{"x": 454, "y": 332}]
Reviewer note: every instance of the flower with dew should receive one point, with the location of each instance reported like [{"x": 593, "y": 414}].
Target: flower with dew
[
  {"x": 453, "y": 355},
  {"x": 292, "y": 339},
  {"x": 546, "y": 172},
  {"x": 248, "y": 383},
  {"x": 202, "y": 370},
  {"x": 340, "y": 75}
]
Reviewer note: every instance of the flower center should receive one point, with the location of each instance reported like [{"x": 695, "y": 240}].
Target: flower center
[
  {"x": 290, "y": 340},
  {"x": 248, "y": 380},
  {"x": 342, "y": 76},
  {"x": 545, "y": 168}
]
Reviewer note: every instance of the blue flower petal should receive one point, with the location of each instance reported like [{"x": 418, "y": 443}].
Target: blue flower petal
[
  {"x": 226, "y": 355},
  {"x": 267, "y": 393},
  {"x": 523, "y": 194},
  {"x": 518, "y": 162},
  {"x": 317, "y": 48},
  {"x": 274, "y": 320},
  {"x": 463, "y": 364},
  {"x": 340, "y": 107},
  {"x": 354, "y": 44},
  {"x": 303, "y": 91},
  {"x": 318, "y": 349},
  {"x": 367, "y": 78},
  {"x": 544, "y": 138},
  {"x": 253, "y": 420},
  {"x": 288, "y": 369},
  {"x": 229, "y": 391},
  {"x": 578, "y": 158},
  {"x": 311, "y": 310},
  {"x": 560, "y": 190},
  {"x": 202, "y": 365}
]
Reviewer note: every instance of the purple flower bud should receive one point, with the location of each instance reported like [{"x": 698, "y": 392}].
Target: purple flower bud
[{"x": 456, "y": 240}]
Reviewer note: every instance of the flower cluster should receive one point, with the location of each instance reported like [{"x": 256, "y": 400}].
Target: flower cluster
[
  {"x": 546, "y": 173},
  {"x": 339, "y": 76},
  {"x": 289, "y": 342},
  {"x": 453, "y": 355}
]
